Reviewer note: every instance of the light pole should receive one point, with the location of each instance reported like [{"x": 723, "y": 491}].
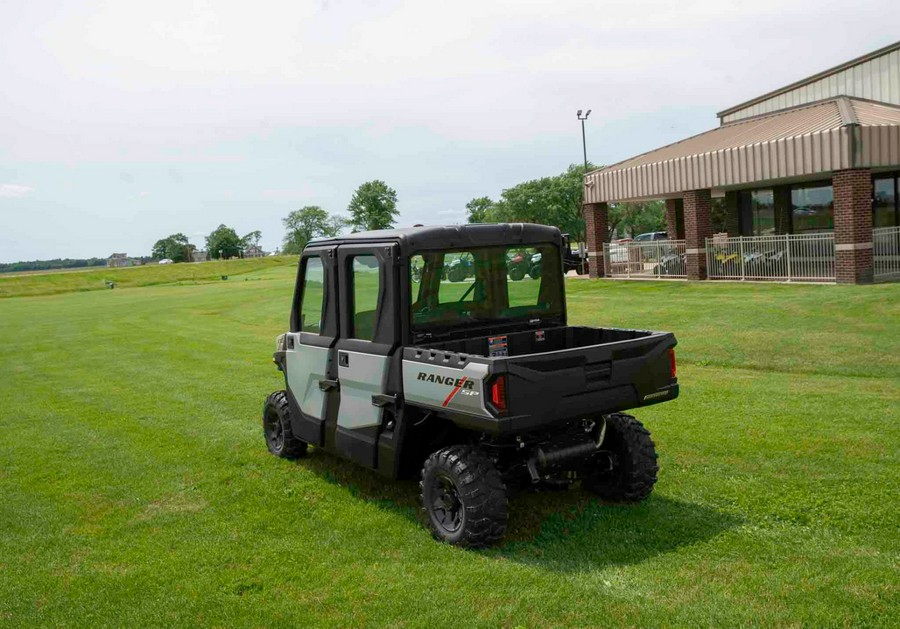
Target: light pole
[
  {"x": 581, "y": 247},
  {"x": 583, "y": 141}
]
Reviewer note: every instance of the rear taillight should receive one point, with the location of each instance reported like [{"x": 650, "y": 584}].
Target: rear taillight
[
  {"x": 672, "y": 363},
  {"x": 498, "y": 393}
]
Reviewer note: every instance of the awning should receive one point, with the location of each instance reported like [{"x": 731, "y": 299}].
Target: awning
[{"x": 817, "y": 138}]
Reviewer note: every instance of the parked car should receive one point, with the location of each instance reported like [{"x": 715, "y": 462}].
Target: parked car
[
  {"x": 649, "y": 236},
  {"x": 618, "y": 252}
]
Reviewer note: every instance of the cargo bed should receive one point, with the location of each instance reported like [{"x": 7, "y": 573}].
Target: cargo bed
[{"x": 565, "y": 372}]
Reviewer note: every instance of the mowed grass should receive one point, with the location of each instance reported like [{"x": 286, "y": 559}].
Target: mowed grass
[
  {"x": 18, "y": 285},
  {"x": 136, "y": 488}
]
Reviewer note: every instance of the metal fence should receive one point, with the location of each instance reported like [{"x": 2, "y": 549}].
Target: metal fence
[
  {"x": 786, "y": 257},
  {"x": 886, "y": 253},
  {"x": 657, "y": 259}
]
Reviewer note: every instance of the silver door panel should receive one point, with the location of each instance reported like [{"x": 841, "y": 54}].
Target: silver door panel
[
  {"x": 306, "y": 365},
  {"x": 364, "y": 377}
]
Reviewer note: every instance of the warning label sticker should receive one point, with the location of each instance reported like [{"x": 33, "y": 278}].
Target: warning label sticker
[{"x": 498, "y": 346}]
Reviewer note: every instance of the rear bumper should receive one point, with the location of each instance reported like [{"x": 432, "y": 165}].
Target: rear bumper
[{"x": 593, "y": 405}]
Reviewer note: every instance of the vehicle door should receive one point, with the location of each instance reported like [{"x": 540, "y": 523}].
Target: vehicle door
[
  {"x": 309, "y": 347},
  {"x": 369, "y": 329}
]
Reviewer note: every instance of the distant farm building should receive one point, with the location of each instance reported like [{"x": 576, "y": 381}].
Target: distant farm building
[
  {"x": 119, "y": 260},
  {"x": 254, "y": 252},
  {"x": 199, "y": 256}
]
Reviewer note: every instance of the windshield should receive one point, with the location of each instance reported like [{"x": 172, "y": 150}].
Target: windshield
[{"x": 486, "y": 285}]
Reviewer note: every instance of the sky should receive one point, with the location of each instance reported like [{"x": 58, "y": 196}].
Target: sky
[{"x": 124, "y": 122}]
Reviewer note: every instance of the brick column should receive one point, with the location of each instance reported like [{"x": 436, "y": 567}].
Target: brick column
[
  {"x": 732, "y": 214},
  {"x": 595, "y": 221},
  {"x": 853, "y": 226},
  {"x": 697, "y": 228},
  {"x": 674, "y": 227}
]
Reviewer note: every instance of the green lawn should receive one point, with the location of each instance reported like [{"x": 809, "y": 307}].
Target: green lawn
[
  {"x": 93, "y": 278},
  {"x": 137, "y": 490}
]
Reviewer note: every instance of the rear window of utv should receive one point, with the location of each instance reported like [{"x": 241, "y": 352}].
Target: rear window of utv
[{"x": 460, "y": 287}]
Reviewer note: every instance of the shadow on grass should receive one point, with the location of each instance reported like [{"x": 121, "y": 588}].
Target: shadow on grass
[
  {"x": 573, "y": 530},
  {"x": 558, "y": 530}
]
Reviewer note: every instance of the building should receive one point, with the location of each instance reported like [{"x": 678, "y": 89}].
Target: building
[
  {"x": 199, "y": 256},
  {"x": 808, "y": 171},
  {"x": 119, "y": 260},
  {"x": 253, "y": 251}
]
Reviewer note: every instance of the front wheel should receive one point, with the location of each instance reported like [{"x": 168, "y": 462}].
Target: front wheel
[
  {"x": 634, "y": 468},
  {"x": 280, "y": 437},
  {"x": 464, "y": 497}
]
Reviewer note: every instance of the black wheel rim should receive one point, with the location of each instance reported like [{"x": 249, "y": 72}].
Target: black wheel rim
[
  {"x": 274, "y": 431},
  {"x": 446, "y": 506}
]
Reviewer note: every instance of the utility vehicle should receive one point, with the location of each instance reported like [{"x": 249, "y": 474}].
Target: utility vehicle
[{"x": 478, "y": 387}]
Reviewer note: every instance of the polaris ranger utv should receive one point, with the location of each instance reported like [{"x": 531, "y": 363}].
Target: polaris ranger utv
[{"x": 478, "y": 386}]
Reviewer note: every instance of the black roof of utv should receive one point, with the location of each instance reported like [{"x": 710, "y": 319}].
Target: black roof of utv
[{"x": 452, "y": 236}]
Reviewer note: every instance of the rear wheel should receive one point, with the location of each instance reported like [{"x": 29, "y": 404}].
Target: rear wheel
[
  {"x": 634, "y": 468},
  {"x": 517, "y": 273},
  {"x": 277, "y": 428},
  {"x": 464, "y": 497}
]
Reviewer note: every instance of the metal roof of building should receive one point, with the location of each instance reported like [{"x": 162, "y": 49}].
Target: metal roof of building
[
  {"x": 820, "y": 137},
  {"x": 822, "y": 82}
]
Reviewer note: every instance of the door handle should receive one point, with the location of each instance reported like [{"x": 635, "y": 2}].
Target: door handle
[
  {"x": 329, "y": 385},
  {"x": 343, "y": 359}
]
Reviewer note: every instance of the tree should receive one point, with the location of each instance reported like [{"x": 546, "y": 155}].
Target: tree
[
  {"x": 223, "y": 242},
  {"x": 553, "y": 201},
  {"x": 251, "y": 240},
  {"x": 638, "y": 218},
  {"x": 373, "y": 206},
  {"x": 307, "y": 223},
  {"x": 175, "y": 247},
  {"x": 477, "y": 209}
]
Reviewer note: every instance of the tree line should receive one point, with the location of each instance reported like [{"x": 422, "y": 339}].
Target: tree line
[
  {"x": 223, "y": 242},
  {"x": 558, "y": 201},
  {"x": 372, "y": 206},
  {"x": 46, "y": 265}
]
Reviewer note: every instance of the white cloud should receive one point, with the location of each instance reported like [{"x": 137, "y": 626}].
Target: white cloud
[{"x": 14, "y": 191}]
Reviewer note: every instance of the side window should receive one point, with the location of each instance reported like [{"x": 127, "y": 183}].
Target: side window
[
  {"x": 524, "y": 266},
  {"x": 366, "y": 283},
  {"x": 459, "y": 271},
  {"x": 311, "y": 314}
]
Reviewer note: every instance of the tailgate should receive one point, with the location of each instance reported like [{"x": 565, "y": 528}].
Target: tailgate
[{"x": 590, "y": 380}]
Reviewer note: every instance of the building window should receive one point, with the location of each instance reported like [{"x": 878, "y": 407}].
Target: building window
[
  {"x": 812, "y": 209},
  {"x": 761, "y": 213},
  {"x": 885, "y": 210},
  {"x": 718, "y": 216}
]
